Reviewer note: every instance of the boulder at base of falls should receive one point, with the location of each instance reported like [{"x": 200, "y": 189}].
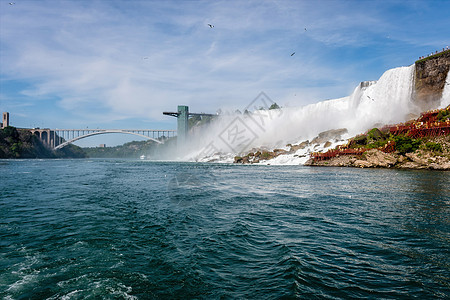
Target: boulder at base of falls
[
  {"x": 260, "y": 155},
  {"x": 333, "y": 134}
]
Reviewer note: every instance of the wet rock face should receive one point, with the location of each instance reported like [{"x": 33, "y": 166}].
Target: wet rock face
[
  {"x": 329, "y": 135},
  {"x": 430, "y": 80},
  {"x": 256, "y": 157},
  {"x": 294, "y": 148}
]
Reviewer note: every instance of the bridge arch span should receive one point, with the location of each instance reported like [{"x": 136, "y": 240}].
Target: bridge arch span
[{"x": 104, "y": 132}]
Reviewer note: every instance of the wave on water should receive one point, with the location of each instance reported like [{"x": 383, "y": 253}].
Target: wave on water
[
  {"x": 372, "y": 103},
  {"x": 209, "y": 231}
]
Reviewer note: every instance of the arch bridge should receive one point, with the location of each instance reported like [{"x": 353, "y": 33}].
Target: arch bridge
[{"x": 59, "y": 138}]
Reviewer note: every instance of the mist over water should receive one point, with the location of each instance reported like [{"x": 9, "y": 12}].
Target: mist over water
[{"x": 372, "y": 103}]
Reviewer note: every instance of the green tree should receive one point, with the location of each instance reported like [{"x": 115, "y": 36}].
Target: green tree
[
  {"x": 443, "y": 115},
  {"x": 433, "y": 146},
  {"x": 405, "y": 144},
  {"x": 274, "y": 106}
]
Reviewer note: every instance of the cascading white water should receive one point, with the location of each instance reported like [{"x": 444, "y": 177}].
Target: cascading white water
[
  {"x": 445, "y": 99},
  {"x": 386, "y": 101}
]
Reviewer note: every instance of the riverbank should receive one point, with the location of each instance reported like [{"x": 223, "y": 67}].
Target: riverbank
[{"x": 432, "y": 154}]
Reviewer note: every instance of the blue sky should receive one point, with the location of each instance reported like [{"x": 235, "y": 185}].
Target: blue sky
[{"x": 120, "y": 64}]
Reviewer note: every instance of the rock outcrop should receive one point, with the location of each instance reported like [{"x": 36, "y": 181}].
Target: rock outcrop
[
  {"x": 429, "y": 80},
  {"x": 323, "y": 138},
  {"x": 258, "y": 155}
]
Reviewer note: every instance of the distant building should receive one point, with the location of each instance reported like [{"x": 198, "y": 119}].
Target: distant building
[
  {"x": 5, "y": 122},
  {"x": 102, "y": 146}
]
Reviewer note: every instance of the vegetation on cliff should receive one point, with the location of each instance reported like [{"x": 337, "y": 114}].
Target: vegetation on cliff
[
  {"x": 376, "y": 139},
  {"x": 15, "y": 143},
  {"x": 424, "y": 153},
  {"x": 443, "y": 115},
  {"x": 132, "y": 149}
]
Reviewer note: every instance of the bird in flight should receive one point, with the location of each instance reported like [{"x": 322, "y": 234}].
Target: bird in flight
[
  {"x": 305, "y": 28},
  {"x": 11, "y": 3},
  {"x": 292, "y": 53},
  {"x": 211, "y": 26}
]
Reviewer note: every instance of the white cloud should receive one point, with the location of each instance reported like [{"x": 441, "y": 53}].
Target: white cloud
[{"x": 112, "y": 59}]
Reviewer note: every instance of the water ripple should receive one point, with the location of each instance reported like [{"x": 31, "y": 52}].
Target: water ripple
[{"x": 72, "y": 229}]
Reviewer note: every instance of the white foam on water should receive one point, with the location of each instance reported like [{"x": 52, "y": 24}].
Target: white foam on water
[
  {"x": 24, "y": 272},
  {"x": 25, "y": 280},
  {"x": 76, "y": 294}
]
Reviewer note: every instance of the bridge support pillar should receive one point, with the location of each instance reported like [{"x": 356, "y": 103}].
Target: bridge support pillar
[
  {"x": 5, "y": 122},
  {"x": 182, "y": 125}
]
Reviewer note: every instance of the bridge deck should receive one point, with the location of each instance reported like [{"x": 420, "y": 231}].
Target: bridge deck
[{"x": 58, "y": 138}]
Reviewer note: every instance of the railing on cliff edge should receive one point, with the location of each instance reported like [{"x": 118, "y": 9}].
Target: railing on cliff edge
[{"x": 432, "y": 55}]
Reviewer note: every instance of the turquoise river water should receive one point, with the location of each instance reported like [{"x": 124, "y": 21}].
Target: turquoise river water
[{"x": 129, "y": 229}]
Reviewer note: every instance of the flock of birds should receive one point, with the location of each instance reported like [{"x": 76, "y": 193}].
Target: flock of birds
[{"x": 212, "y": 26}]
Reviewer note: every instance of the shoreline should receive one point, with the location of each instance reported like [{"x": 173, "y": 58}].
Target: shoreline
[{"x": 420, "y": 159}]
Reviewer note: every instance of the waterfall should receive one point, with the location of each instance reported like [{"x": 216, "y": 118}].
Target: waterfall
[
  {"x": 445, "y": 99},
  {"x": 374, "y": 103}
]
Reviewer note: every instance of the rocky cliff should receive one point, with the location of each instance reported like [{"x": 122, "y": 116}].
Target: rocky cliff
[{"x": 429, "y": 80}]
